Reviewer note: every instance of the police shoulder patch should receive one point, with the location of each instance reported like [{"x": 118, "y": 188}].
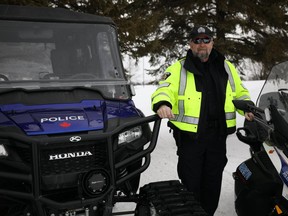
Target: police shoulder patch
[{"x": 166, "y": 75}]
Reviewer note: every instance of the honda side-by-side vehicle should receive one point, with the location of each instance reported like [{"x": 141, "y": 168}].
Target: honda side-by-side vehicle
[{"x": 72, "y": 142}]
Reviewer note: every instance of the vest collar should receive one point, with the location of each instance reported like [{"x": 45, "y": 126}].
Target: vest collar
[{"x": 194, "y": 65}]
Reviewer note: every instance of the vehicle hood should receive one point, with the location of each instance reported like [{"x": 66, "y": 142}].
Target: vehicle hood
[{"x": 64, "y": 118}]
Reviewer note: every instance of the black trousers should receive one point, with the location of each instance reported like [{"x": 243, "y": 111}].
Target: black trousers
[{"x": 201, "y": 162}]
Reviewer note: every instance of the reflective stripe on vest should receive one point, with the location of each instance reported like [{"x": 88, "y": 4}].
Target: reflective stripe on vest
[
  {"x": 161, "y": 93},
  {"x": 230, "y": 77},
  {"x": 163, "y": 85},
  {"x": 230, "y": 115},
  {"x": 186, "y": 119},
  {"x": 183, "y": 80},
  {"x": 232, "y": 83}
]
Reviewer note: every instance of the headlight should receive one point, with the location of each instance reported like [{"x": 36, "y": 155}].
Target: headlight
[
  {"x": 130, "y": 135},
  {"x": 3, "y": 152}
]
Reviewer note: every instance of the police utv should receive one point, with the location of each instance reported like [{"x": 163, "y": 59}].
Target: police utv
[{"x": 72, "y": 142}]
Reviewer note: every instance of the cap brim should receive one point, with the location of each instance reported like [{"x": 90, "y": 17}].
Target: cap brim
[{"x": 197, "y": 35}]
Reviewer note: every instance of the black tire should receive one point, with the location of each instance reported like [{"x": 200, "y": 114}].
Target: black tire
[{"x": 167, "y": 198}]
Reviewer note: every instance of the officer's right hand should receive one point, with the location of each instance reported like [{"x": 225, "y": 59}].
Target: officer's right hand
[{"x": 165, "y": 112}]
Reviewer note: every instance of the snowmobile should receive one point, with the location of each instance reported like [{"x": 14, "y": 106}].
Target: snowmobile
[
  {"x": 72, "y": 141},
  {"x": 261, "y": 182}
]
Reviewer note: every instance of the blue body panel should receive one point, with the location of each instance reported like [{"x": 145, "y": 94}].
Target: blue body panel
[{"x": 64, "y": 118}]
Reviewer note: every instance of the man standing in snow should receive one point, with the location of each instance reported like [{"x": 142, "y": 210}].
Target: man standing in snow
[{"x": 196, "y": 96}]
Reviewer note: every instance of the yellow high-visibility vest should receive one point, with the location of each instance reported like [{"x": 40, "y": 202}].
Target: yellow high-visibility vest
[{"x": 179, "y": 89}]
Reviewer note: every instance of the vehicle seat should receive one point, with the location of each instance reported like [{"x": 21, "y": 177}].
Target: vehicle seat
[{"x": 61, "y": 62}]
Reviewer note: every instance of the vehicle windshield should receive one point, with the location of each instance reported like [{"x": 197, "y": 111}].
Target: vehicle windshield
[
  {"x": 57, "y": 55},
  {"x": 275, "y": 90}
]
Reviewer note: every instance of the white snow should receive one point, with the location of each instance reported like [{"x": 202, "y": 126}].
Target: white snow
[{"x": 164, "y": 158}]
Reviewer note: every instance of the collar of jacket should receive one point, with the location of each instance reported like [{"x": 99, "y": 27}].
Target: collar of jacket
[{"x": 194, "y": 65}]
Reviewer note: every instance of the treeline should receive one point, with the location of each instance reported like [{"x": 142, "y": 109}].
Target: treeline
[{"x": 245, "y": 30}]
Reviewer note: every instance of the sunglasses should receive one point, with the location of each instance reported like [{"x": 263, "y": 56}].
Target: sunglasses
[{"x": 200, "y": 40}]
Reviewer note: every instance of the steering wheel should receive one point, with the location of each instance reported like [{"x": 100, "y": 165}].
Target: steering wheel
[
  {"x": 3, "y": 78},
  {"x": 83, "y": 76}
]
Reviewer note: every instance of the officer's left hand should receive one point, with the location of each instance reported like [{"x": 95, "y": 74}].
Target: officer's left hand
[{"x": 249, "y": 116}]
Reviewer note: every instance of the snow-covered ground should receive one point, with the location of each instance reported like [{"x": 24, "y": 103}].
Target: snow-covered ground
[{"x": 164, "y": 158}]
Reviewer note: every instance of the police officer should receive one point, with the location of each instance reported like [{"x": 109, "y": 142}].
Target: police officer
[{"x": 196, "y": 96}]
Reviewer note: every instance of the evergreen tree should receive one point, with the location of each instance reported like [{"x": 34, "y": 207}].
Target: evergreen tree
[{"x": 256, "y": 30}]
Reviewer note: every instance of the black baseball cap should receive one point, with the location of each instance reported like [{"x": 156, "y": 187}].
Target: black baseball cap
[{"x": 198, "y": 30}]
